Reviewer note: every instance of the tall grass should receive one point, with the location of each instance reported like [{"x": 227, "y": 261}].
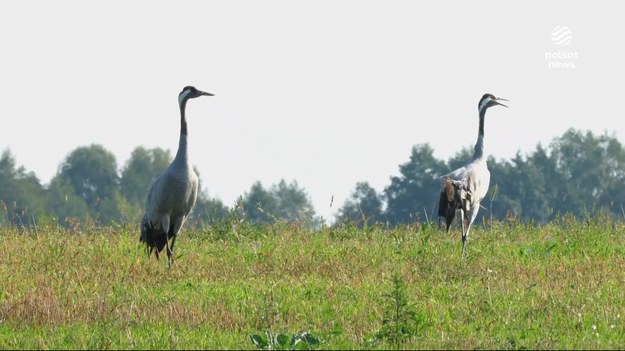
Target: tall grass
[{"x": 521, "y": 286}]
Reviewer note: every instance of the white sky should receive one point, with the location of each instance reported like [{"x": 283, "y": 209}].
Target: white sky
[{"x": 327, "y": 93}]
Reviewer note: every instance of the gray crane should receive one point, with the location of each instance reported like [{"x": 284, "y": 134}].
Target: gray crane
[
  {"x": 464, "y": 188},
  {"x": 172, "y": 194}
]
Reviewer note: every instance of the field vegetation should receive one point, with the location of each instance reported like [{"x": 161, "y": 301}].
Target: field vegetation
[{"x": 234, "y": 285}]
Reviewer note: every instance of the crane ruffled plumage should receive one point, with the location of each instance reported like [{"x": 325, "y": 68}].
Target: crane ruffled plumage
[{"x": 464, "y": 188}]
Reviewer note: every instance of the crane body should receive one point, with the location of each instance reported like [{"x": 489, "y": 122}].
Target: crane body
[
  {"x": 464, "y": 188},
  {"x": 173, "y": 194}
]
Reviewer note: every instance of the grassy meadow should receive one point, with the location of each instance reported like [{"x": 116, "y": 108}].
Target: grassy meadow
[{"x": 560, "y": 285}]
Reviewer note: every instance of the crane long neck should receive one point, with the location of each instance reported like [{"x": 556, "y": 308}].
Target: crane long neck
[
  {"x": 183, "y": 119},
  {"x": 181, "y": 154},
  {"x": 478, "y": 152}
]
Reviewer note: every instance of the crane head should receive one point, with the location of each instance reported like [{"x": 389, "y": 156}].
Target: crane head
[
  {"x": 489, "y": 100},
  {"x": 190, "y": 92}
]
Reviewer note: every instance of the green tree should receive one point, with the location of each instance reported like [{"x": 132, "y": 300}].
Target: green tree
[
  {"x": 531, "y": 186},
  {"x": 62, "y": 203},
  {"x": 293, "y": 204},
  {"x": 414, "y": 193},
  {"x": 91, "y": 171},
  {"x": 520, "y": 189},
  {"x": 259, "y": 205},
  {"x": 364, "y": 206},
  {"x": 580, "y": 174},
  {"x": 283, "y": 202},
  {"x": 554, "y": 186},
  {"x": 20, "y": 193},
  {"x": 612, "y": 196},
  {"x": 140, "y": 171},
  {"x": 207, "y": 210},
  {"x": 591, "y": 170},
  {"x": 502, "y": 198}
]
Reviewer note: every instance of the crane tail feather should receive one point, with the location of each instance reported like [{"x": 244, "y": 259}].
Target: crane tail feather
[
  {"x": 450, "y": 200},
  {"x": 153, "y": 237}
]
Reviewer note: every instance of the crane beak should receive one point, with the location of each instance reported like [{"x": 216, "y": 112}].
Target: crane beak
[
  {"x": 205, "y": 93},
  {"x": 499, "y": 103}
]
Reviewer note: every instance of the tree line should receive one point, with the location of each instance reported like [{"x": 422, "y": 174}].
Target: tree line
[
  {"x": 578, "y": 173},
  {"x": 89, "y": 188}
]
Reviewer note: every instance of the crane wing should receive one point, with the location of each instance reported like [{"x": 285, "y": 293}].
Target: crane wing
[{"x": 475, "y": 179}]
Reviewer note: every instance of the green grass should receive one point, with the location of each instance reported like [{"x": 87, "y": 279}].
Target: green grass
[{"x": 521, "y": 286}]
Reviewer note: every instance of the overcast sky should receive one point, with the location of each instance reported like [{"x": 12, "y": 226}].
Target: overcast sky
[{"x": 327, "y": 93}]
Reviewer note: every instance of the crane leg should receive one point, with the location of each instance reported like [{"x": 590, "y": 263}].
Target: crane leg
[
  {"x": 464, "y": 233},
  {"x": 178, "y": 222},
  {"x": 165, "y": 226},
  {"x": 465, "y": 238},
  {"x": 470, "y": 218},
  {"x": 171, "y": 256},
  {"x": 169, "y": 251}
]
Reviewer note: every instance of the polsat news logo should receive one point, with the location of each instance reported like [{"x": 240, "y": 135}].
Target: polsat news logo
[{"x": 561, "y": 37}]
